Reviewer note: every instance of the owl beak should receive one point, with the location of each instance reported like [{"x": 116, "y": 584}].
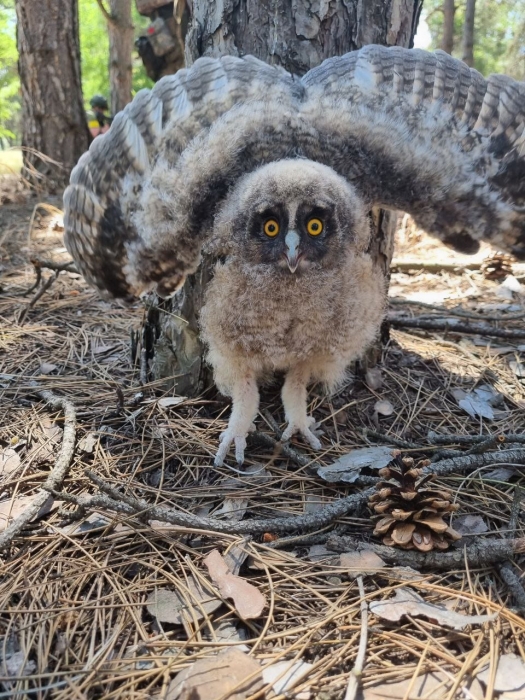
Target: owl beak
[{"x": 292, "y": 240}]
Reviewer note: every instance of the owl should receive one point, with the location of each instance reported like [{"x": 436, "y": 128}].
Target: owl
[{"x": 275, "y": 176}]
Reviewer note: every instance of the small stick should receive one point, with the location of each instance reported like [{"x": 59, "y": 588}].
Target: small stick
[
  {"x": 470, "y": 462},
  {"x": 131, "y": 506},
  {"x": 404, "y": 444},
  {"x": 486, "y": 444},
  {"x": 357, "y": 671},
  {"x": 456, "y": 268},
  {"x": 43, "y": 289},
  {"x": 442, "y": 325},
  {"x": 57, "y": 474},
  {"x": 514, "y": 584},
  {"x": 480, "y": 553},
  {"x": 471, "y": 439},
  {"x": 68, "y": 266},
  {"x": 456, "y": 312}
]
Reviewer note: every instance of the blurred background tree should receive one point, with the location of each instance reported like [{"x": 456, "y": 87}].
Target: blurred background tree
[
  {"x": 9, "y": 82},
  {"x": 499, "y": 33}
]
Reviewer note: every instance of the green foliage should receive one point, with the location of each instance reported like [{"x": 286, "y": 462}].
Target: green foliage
[
  {"x": 9, "y": 83},
  {"x": 94, "y": 51},
  {"x": 499, "y": 34}
]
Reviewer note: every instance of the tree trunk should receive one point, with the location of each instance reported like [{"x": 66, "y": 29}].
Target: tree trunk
[
  {"x": 293, "y": 34},
  {"x": 468, "y": 33},
  {"x": 449, "y": 10},
  {"x": 120, "y": 31},
  {"x": 53, "y": 118}
]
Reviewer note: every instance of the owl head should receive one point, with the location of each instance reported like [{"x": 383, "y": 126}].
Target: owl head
[{"x": 292, "y": 215}]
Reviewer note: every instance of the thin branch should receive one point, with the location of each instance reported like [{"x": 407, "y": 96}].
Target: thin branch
[
  {"x": 58, "y": 473},
  {"x": 478, "y": 554},
  {"x": 395, "y": 301},
  {"x": 128, "y": 505},
  {"x": 43, "y": 289},
  {"x": 442, "y": 325},
  {"x": 107, "y": 15},
  {"x": 357, "y": 671},
  {"x": 475, "y": 461},
  {"x": 514, "y": 584},
  {"x": 404, "y": 265},
  {"x": 68, "y": 266}
]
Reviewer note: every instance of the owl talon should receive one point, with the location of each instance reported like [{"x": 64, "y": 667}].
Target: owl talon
[
  {"x": 226, "y": 439},
  {"x": 305, "y": 431}
]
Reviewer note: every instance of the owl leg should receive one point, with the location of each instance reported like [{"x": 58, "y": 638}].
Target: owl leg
[
  {"x": 245, "y": 395},
  {"x": 294, "y": 395}
]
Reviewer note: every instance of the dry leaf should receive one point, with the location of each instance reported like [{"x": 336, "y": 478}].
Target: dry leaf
[
  {"x": 470, "y": 525},
  {"x": 169, "y": 401},
  {"x": 348, "y": 467},
  {"x": 430, "y": 686},
  {"x": 248, "y": 600},
  {"x": 16, "y": 664},
  {"x": 231, "y": 674},
  {"x": 510, "y": 675},
  {"x": 9, "y": 461},
  {"x": 407, "y": 602},
  {"x": 233, "y": 508},
  {"x": 479, "y": 402},
  {"x": 88, "y": 442},
  {"x": 374, "y": 378},
  {"x": 184, "y": 605},
  {"x": 9, "y": 510},
  {"x": 383, "y": 408},
  {"x": 318, "y": 552},
  {"x": 283, "y": 675},
  {"x": 47, "y": 368},
  {"x": 361, "y": 563}
]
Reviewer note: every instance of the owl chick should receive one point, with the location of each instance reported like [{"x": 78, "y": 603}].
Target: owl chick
[
  {"x": 275, "y": 175},
  {"x": 298, "y": 292}
]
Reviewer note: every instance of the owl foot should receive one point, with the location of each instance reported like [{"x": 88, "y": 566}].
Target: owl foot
[
  {"x": 226, "y": 438},
  {"x": 303, "y": 427}
]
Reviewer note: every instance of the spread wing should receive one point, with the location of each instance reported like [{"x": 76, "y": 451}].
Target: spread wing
[
  {"x": 145, "y": 140},
  {"x": 411, "y": 130}
]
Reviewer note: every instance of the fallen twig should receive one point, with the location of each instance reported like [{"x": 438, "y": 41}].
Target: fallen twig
[
  {"x": 514, "y": 584},
  {"x": 123, "y": 503},
  {"x": 479, "y": 316},
  {"x": 442, "y": 325},
  {"x": 43, "y": 289},
  {"x": 470, "y": 462},
  {"x": 57, "y": 474},
  {"x": 480, "y": 553},
  {"x": 357, "y": 671},
  {"x": 68, "y": 266},
  {"x": 458, "y": 268}
]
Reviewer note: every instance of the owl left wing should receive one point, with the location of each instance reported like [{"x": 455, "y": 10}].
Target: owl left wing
[{"x": 424, "y": 133}]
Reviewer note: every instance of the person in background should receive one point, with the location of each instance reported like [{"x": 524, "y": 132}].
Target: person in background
[{"x": 98, "y": 121}]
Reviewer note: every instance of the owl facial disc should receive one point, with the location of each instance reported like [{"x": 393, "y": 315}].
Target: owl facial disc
[{"x": 292, "y": 254}]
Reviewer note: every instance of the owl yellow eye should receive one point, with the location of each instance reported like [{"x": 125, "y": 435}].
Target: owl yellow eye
[
  {"x": 271, "y": 228},
  {"x": 314, "y": 227}
]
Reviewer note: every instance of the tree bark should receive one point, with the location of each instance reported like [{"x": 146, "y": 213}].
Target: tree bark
[
  {"x": 468, "y": 33},
  {"x": 53, "y": 118},
  {"x": 298, "y": 35},
  {"x": 120, "y": 31},
  {"x": 449, "y": 11}
]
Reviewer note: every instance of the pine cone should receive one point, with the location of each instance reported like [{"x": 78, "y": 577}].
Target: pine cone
[
  {"x": 497, "y": 267},
  {"x": 409, "y": 510}
]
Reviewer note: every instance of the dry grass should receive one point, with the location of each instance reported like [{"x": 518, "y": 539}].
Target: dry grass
[{"x": 73, "y": 599}]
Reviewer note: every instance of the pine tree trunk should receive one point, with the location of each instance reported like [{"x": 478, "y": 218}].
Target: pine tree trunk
[
  {"x": 468, "y": 33},
  {"x": 53, "y": 118},
  {"x": 449, "y": 11},
  {"x": 120, "y": 30},
  {"x": 298, "y": 37}
]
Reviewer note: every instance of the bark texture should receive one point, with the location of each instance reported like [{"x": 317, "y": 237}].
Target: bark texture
[
  {"x": 449, "y": 11},
  {"x": 120, "y": 32},
  {"x": 468, "y": 33},
  {"x": 53, "y": 118},
  {"x": 298, "y": 35}
]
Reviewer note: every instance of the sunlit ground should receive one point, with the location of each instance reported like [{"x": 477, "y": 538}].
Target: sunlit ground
[{"x": 10, "y": 161}]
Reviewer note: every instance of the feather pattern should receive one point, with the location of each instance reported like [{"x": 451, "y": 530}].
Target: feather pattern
[{"x": 411, "y": 130}]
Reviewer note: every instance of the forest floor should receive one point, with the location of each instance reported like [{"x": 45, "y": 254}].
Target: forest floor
[{"x": 109, "y": 600}]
